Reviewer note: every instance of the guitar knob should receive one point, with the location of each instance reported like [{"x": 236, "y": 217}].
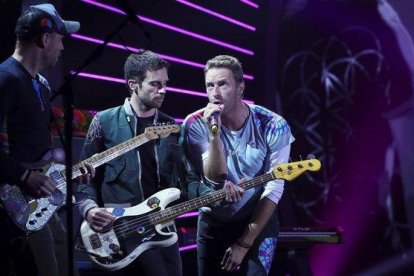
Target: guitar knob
[
  {"x": 279, "y": 169},
  {"x": 115, "y": 248},
  {"x": 300, "y": 166},
  {"x": 44, "y": 209},
  {"x": 289, "y": 167},
  {"x": 38, "y": 215},
  {"x": 32, "y": 222}
]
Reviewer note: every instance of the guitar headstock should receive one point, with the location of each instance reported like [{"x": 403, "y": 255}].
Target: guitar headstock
[
  {"x": 161, "y": 131},
  {"x": 292, "y": 170}
]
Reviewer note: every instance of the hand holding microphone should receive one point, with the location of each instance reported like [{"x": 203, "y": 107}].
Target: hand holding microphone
[
  {"x": 212, "y": 114},
  {"x": 214, "y": 122}
]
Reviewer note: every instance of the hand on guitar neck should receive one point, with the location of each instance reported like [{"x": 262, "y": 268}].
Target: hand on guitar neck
[
  {"x": 39, "y": 185},
  {"x": 234, "y": 193}
]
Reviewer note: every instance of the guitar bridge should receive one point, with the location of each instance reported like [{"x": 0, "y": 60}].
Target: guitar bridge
[{"x": 95, "y": 241}]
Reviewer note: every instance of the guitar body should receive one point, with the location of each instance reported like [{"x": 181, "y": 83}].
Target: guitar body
[
  {"x": 31, "y": 214},
  {"x": 139, "y": 228},
  {"x": 132, "y": 233}
]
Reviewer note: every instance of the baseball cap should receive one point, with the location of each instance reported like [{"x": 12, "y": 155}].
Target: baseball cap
[{"x": 63, "y": 27}]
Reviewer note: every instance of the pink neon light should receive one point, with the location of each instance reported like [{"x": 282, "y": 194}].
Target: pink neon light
[
  {"x": 250, "y": 3},
  {"x": 188, "y": 247},
  {"x": 213, "y": 13},
  {"x": 189, "y": 215},
  {"x": 169, "y": 88},
  {"x": 133, "y": 49},
  {"x": 176, "y": 29}
]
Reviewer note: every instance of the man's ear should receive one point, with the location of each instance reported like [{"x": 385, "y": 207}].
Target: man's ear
[
  {"x": 133, "y": 85},
  {"x": 43, "y": 40},
  {"x": 240, "y": 89}
]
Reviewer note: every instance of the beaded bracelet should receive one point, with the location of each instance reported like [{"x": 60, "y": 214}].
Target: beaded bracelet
[{"x": 243, "y": 244}]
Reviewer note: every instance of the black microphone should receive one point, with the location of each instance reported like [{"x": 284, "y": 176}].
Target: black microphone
[
  {"x": 126, "y": 8},
  {"x": 214, "y": 122}
]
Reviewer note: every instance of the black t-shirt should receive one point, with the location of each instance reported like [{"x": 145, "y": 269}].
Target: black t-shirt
[
  {"x": 25, "y": 116},
  {"x": 149, "y": 178}
]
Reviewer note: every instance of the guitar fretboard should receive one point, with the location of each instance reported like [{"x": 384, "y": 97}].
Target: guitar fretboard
[
  {"x": 100, "y": 158},
  {"x": 170, "y": 213}
]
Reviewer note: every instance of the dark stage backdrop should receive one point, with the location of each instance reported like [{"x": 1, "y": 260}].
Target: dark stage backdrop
[
  {"x": 186, "y": 33},
  {"x": 340, "y": 71},
  {"x": 348, "y": 66}
]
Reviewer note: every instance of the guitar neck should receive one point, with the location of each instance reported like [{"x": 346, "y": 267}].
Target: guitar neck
[
  {"x": 98, "y": 159},
  {"x": 171, "y": 213}
]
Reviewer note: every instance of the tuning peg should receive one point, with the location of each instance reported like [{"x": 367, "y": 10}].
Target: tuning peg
[{"x": 310, "y": 156}]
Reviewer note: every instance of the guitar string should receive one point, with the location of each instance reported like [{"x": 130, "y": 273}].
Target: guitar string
[
  {"x": 166, "y": 214},
  {"x": 106, "y": 158},
  {"x": 113, "y": 153},
  {"x": 253, "y": 182}
]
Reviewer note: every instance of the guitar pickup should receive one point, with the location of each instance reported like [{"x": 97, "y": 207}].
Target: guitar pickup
[
  {"x": 153, "y": 202},
  {"x": 95, "y": 241}
]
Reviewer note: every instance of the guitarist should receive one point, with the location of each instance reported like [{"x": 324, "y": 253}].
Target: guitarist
[
  {"x": 133, "y": 177},
  {"x": 230, "y": 140},
  {"x": 25, "y": 119}
]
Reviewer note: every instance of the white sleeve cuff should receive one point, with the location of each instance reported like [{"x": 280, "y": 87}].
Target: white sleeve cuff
[{"x": 273, "y": 190}]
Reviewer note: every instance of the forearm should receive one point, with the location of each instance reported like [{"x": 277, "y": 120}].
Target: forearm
[
  {"x": 215, "y": 168},
  {"x": 258, "y": 221}
]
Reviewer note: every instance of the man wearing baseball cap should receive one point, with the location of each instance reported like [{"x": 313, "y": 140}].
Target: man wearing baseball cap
[{"x": 26, "y": 118}]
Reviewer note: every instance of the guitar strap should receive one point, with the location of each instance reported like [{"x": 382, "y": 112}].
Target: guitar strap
[
  {"x": 177, "y": 152},
  {"x": 45, "y": 90}
]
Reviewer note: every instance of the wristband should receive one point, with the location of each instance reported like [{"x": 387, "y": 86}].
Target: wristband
[
  {"x": 243, "y": 244},
  {"x": 26, "y": 176}
]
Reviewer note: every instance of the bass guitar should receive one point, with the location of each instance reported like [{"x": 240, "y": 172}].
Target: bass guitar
[
  {"x": 139, "y": 228},
  {"x": 31, "y": 214}
]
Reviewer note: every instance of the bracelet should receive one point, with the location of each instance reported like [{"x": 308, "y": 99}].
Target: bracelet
[
  {"x": 26, "y": 177},
  {"x": 243, "y": 244}
]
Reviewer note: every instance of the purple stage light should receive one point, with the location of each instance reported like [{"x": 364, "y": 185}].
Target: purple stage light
[
  {"x": 133, "y": 49},
  {"x": 101, "y": 77},
  {"x": 189, "y": 215},
  {"x": 218, "y": 15},
  {"x": 169, "y": 88},
  {"x": 175, "y": 29},
  {"x": 188, "y": 247},
  {"x": 250, "y": 3}
]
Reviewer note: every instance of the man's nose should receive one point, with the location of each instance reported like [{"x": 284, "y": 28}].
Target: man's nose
[
  {"x": 216, "y": 90},
  {"x": 163, "y": 90}
]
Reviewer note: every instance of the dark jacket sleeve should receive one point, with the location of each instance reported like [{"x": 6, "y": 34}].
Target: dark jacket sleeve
[
  {"x": 10, "y": 170},
  {"x": 93, "y": 144}
]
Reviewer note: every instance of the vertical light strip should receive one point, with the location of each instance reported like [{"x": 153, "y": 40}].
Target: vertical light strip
[
  {"x": 218, "y": 15},
  {"x": 176, "y": 29},
  {"x": 133, "y": 49}
]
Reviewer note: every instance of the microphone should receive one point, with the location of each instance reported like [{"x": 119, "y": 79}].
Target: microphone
[{"x": 214, "y": 122}]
